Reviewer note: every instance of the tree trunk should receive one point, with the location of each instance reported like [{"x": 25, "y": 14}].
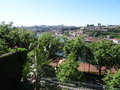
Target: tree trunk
[
  {"x": 84, "y": 66},
  {"x": 89, "y": 68},
  {"x": 100, "y": 70}
]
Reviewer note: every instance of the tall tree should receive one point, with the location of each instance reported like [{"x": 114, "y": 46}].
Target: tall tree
[
  {"x": 14, "y": 36},
  {"x": 115, "y": 54},
  {"x": 78, "y": 47},
  {"x": 51, "y": 44},
  {"x": 102, "y": 54}
]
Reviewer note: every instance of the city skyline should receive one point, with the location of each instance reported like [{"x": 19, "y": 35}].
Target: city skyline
[{"x": 57, "y": 12}]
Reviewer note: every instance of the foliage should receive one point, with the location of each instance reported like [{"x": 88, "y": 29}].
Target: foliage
[
  {"x": 37, "y": 59},
  {"x": 78, "y": 47},
  {"x": 112, "y": 80},
  {"x": 26, "y": 38},
  {"x": 3, "y": 47},
  {"x": 113, "y": 32},
  {"x": 66, "y": 33},
  {"x": 38, "y": 64},
  {"x": 102, "y": 54},
  {"x": 16, "y": 37},
  {"x": 106, "y": 53},
  {"x": 50, "y": 44},
  {"x": 115, "y": 53},
  {"x": 67, "y": 71},
  {"x": 26, "y": 71}
]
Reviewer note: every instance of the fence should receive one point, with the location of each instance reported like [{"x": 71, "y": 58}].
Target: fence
[{"x": 73, "y": 85}]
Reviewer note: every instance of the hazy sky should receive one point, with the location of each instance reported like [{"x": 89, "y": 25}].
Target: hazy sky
[{"x": 56, "y": 12}]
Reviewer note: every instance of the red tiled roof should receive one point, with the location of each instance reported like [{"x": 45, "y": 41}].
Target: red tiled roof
[{"x": 82, "y": 66}]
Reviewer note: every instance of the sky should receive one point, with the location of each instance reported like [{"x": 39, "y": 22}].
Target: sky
[{"x": 57, "y": 12}]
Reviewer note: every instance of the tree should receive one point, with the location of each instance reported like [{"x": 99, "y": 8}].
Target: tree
[
  {"x": 67, "y": 71},
  {"x": 78, "y": 47},
  {"x": 27, "y": 37},
  {"x": 115, "y": 53},
  {"x": 37, "y": 62},
  {"x": 3, "y": 47},
  {"x": 14, "y": 36},
  {"x": 112, "y": 81},
  {"x": 51, "y": 44},
  {"x": 102, "y": 54}
]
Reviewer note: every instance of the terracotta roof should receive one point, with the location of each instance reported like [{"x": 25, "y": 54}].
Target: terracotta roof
[
  {"x": 82, "y": 66},
  {"x": 93, "y": 39},
  {"x": 116, "y": 39}
]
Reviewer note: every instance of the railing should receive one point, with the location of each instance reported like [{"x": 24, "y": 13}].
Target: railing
[{"x": 73, "y": 85}]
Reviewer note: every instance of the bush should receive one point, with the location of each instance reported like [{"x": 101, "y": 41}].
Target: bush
[
  {"x": 112, "y": 80},
  {"x": 68, "y": 70},
  {"x": 17, "y": 37},
  {"x": 3, "y": 47}
]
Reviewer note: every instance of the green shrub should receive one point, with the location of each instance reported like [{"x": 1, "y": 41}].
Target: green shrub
[
  {"x": 3, "y": 47},
  {"x": 112, "y": 80},
  {"x": 67, "y": 71}
]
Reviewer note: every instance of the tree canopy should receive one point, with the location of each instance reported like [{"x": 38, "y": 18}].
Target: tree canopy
[
  {"x": 78, "y": 47},
  {"x": 104, "y": 54},
  {"x": 16, "y": 37},
  {"x": 50, "y": 44},
  {"x": 67, "y": 71}
]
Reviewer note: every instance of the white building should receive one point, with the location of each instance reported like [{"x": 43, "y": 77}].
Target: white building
[{"x": 117, "y": 41}]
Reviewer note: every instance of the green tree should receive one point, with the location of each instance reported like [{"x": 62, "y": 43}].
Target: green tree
[
  {"x": 115, "y": 54},
  {"x": 26, "y": 38},
  {"x": 3, "y": 47},
  {"x": 16, "y": 36},
  {"x": 67, "y": 71},
  {"x": 112, "y": 81},
  {"x": 51, "y": 44},
  {"x": 78, "y": 47},
  {"x": 102, "y": 54}
]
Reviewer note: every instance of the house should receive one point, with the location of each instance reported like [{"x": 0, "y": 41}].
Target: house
[
  {"x": 93, "y": 39},
  {"x": 117, "y": 41}
]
